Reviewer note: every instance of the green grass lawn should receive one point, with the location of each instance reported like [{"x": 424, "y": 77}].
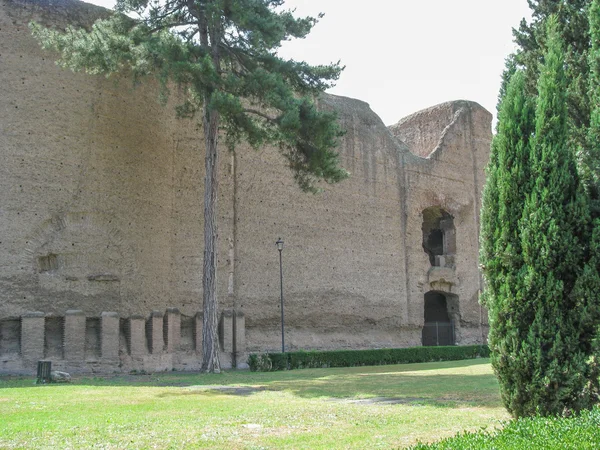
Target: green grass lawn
[{"x": 362, "y": 407}]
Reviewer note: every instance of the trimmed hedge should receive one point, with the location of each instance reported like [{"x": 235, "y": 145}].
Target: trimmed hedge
[
  {"x": 548, "y": 433},
  {"x": 265, "y": 362}
]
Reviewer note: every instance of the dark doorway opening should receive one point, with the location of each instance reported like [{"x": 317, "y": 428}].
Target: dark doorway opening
[
  {"x": 438, "y": 328},
  {"x": 434, "y": 245},
  {"x": 439, "y": 237}
]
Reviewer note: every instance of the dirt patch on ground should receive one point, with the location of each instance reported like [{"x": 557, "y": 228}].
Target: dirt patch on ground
[
  {"x": 383, "y": 400},
  {"x": 232, "y": 390}
]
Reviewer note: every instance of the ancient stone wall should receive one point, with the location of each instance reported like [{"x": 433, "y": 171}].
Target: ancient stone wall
[
  {"x": 161, "y": 341},
  {"x": 101, "y": 210},
  {"x": 101, "y": 187},
  {"x": 450, "y": 178}
]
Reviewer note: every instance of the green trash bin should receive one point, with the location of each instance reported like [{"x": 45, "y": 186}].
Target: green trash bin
[{"x": 44, "y": 368}]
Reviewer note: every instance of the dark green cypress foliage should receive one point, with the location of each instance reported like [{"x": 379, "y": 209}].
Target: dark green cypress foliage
[
  {"x": 507, "y": 186},
  {"x": 574, "y": 23},
  {"x": 539, "y": 244},
  {"x": 572, "y": 18},
  {"x": 510, "y": 67},
  {"x": 592, "y": 163},
  {"x": 554, "y": 346},
  {"x": 591, "y": 157}
]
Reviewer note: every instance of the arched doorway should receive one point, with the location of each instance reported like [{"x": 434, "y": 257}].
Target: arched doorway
[{"x": 438, "y": 328}]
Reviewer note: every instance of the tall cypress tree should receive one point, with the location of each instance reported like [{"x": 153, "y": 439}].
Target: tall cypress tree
[
  {"x": 592, "y": 163},
  {"x": 553, "y": 342},
  {"x": 508, "y": 184},
  {"x": 541, "y": 261},
  {"x": 592, "y": 155}
]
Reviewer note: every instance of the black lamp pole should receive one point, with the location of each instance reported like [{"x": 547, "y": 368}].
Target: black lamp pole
[{"x": 279, "y": 244}]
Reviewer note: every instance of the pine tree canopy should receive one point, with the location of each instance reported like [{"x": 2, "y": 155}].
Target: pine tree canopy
[{"x": 224, "y": 54}]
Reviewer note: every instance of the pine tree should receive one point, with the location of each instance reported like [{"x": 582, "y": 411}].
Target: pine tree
[
  {"x": 542, "y": 277},
  {"x": 223, "y": 53},
  {"x": 508, "y": 184}
]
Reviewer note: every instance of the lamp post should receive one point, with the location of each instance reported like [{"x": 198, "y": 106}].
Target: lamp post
[{"x": 279, "y": 244}]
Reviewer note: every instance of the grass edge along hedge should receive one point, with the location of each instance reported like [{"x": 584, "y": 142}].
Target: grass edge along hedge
[
  {"x": 578, "y": 432},
  {"x": 267, "y": 362}
]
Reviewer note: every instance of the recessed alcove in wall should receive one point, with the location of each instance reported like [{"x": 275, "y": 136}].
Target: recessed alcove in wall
[
  {"x": 54, "y": 337},
  {"x": 47, "y": 263},
  {"x": 187, "y": 340},
  {"x": 439, "y": 236},
  {"x": 10, "y": 336},
  {"x": 124, "y": 333},
  {"x": 92, "y": 338},
  {"x": 440, "y": 312}
]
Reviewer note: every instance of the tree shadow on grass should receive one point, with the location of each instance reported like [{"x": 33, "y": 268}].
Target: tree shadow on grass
[
  {"x": 408, "y": 383},
  {"x": 370, "y": 385}
]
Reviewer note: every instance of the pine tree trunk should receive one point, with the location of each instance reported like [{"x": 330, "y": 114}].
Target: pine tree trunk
[{"x": 210, "y": 338}]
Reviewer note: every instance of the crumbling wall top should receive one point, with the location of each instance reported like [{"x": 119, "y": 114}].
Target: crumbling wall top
[
  {"x": 54, "y": 13},
  {"x": 423, "y": 131}
]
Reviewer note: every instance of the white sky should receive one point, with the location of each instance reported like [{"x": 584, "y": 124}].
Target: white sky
[{"x": 405, "y": 55}]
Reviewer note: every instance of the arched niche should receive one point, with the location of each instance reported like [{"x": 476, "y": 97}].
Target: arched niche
[
  {"x": 441, "y": 313},
  {"x": 439, "y": 237}
]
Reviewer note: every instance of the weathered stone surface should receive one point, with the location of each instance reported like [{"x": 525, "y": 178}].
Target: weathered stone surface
[
  {"x": 74, "y": 335},
  {"x": 109, "y": 340},
  {"x": 136, "y": 337},
  {"x": 60, "y": 377},
  {"x": 32, "y": 336},
  {"x": 101, "y": 210},
  {"x": 155, "y": 332},
  {"x": 172, "y": 329}
]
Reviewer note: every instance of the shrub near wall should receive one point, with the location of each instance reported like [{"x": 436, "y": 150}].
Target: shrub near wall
[
  {"x": 265, "y": 362},
  {"x": 548, "y": 433}
]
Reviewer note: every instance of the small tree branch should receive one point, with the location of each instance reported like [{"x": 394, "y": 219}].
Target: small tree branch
[{"x": 260, "y": 114}]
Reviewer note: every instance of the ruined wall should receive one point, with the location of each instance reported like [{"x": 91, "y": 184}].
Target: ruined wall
[
  {"x": 100, "y": 193},
  {"x": 101, "y": 209},
  {"x": 450, "y": 177},
  {"x": 343, "y": 259},
  {"x": 354, "y": 258},
  {"x": 161, "y": 341},
  {"x": 422, "y": 131}
]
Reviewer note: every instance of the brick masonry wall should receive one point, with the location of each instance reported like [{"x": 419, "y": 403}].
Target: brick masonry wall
[{"x": 101, "y": 207}]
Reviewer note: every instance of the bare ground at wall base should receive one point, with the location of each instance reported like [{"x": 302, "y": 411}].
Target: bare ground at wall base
[{"x": 363, "y": 407}]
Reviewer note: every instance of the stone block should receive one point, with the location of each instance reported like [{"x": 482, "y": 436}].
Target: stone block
[
  {"x": 443, "y": 279},
  {"x": 137, "y": 336},
  {"x": 109, "y": 338},
  {"x": 172, "y": 324},
  {"x": 32, "y": 336},
  {"x": 74, "y": 335}
]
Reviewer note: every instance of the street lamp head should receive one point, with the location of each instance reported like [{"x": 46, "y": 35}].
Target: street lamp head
[{"x": 279, "y": 244}]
